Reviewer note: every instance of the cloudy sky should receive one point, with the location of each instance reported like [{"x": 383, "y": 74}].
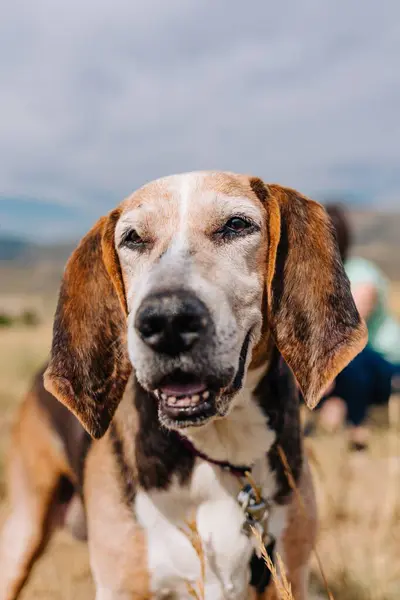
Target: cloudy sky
[{"x": 98, "y": 97}]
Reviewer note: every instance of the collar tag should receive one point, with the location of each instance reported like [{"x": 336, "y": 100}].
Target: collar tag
[{"x": 256, "y": 511}]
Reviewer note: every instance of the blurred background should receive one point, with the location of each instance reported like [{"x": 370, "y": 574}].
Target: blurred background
[{"x": 97, "y": 98}]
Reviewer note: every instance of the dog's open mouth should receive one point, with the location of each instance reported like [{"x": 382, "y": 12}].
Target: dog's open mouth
[{"x": 184, "y": 397}]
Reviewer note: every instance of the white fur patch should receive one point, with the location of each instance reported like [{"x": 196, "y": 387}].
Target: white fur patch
[
  {"x": 183, "y": 187},
  {"x": 243, "y": 437}
]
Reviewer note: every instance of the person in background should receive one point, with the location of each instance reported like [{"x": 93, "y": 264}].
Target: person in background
[{"x": 367, "y": 380}]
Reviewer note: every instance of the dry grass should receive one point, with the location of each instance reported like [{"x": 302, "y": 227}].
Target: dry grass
[
  {"x": 22, "y": 350},
  {"x": 359, "y": 507},
  {"x": 278, "y": 571},
  {"x": 358, "y": 499},
  {"x": 196, "y": 591}
]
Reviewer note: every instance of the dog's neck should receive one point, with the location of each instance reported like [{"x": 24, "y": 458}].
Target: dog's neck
[
  {"x": 241, "y": 437},
  {"x": 265, "y": 413}
]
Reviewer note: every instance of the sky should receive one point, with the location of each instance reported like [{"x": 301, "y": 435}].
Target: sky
[{"x": 99, "y": 97}]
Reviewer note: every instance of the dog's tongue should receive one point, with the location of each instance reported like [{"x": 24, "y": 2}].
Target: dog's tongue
[{"x": 183, "y": 389}]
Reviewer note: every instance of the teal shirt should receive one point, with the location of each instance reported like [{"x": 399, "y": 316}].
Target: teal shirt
[{"x": 383, "y": 329}]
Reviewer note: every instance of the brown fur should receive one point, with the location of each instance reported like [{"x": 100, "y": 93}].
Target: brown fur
[
  {"x": 37, "y": 462},
  {"x": 120, "y": 557},
  {"x": 304, "y": 281},
  {"x": 90, "y": 367}
]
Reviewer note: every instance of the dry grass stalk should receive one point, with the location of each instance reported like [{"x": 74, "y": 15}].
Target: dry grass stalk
[
  {"x": 253, "y": 484},
  {"x": 295, "y": 489},
  {"x": 194, "y": 538},
  {"x": 282, "y": 585},
  {"x": 192, "y": 591}
]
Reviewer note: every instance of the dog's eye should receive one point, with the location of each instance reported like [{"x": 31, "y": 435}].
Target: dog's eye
[
  {"x": 235, "y": 226},
  {"x": 132, "y": 239}
]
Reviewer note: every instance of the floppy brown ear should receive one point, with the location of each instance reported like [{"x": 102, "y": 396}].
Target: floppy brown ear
[
  {"x": 89, "y": 366},
  {"x": 311, "y": 312}
]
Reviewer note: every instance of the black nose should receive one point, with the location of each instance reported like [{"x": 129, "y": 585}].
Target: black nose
[{"x": 172, "y": 322}]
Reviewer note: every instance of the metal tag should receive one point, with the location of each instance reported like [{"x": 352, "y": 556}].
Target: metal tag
[{"x": 256, "y": 511}]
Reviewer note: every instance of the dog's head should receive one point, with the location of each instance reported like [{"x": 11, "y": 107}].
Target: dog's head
[{"x": 187, "y": 281}]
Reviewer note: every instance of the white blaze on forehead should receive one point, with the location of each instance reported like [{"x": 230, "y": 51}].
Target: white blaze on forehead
[{"x": 183, "y": 188}]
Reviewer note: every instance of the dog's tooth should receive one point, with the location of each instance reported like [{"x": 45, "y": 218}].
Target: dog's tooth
[
  {"x": 194, "y": 399},
  {"x": 206, "y": 394},
  {"x": 183, "y": 401},
  {"x": 164, "y": 396},
  {"x": 172, "y": 400}
]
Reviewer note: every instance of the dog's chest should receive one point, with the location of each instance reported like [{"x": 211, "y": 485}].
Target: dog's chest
[{"x": 208, "y": 501}]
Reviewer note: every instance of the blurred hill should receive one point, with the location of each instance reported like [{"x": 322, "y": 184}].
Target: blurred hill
[
  {"x": 30, "y": 276},
  {"x": 11, "y": 247},
  {"x": 35, "y": 270}
]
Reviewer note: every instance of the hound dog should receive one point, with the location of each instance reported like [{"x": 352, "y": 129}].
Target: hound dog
[{"x": 181, "y": 320}]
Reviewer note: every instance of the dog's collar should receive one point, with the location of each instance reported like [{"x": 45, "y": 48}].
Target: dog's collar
[{"x": 238, "y": 470}]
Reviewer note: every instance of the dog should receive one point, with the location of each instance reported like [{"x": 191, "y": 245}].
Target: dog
[{"x": 187, "y": 321}]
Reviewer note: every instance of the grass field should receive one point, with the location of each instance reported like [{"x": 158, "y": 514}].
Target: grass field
[{"x": 358, "y": 497}]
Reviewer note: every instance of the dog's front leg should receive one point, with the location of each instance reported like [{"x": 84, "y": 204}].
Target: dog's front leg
[
  {"x": 227, "y": 549},
  {"x": 117, "y": 545}
]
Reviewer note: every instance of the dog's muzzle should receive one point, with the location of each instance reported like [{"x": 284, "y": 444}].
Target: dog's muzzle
[{"x": 178, "y": 328}]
